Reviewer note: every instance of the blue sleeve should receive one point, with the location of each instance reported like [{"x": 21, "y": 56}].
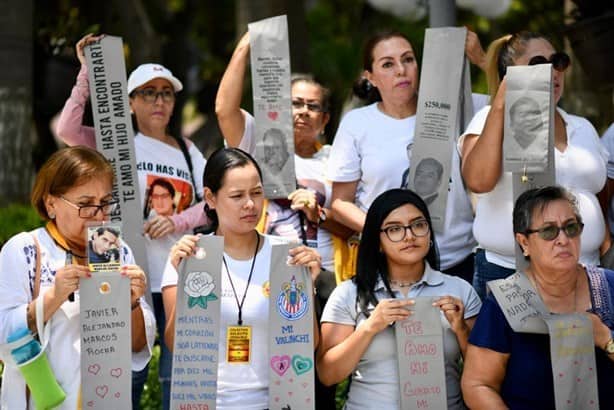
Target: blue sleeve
[{"x": 491, "y": 329}]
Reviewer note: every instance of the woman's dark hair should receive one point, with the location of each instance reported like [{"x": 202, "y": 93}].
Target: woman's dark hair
[
  {"x": 218, "y": 164},
  {"x": 536, "y": 200},
  {"x": 310, "y": 79},
  {"x": 371, "y": 263},
  {"x": 164, "y": 183},
  {"x": 362, "y": 88}
]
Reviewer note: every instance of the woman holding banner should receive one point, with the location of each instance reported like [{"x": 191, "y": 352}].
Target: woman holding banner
[
  {"x": 580, "y": 161},
  {"x": 511, "y": 365},
  {"x": 72, "y": 189},
  {"x": 397, "y": 262},
  {"x": 305, "y": 216},
  {"x": 371, "y": 148},
  {"x": 159, "y": 156},
  {"x": 234, "y": 202}
]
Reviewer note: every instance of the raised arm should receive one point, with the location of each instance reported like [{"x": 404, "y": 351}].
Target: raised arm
[
  {"x": 482, "y": 155},
  {"x": 70, "y": 127},
  {"x": 230, "y": 118}
]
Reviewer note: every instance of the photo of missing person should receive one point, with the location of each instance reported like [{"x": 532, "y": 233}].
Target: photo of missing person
[
  {"x": 165, "y": 196},
  {"x": 525, "y": 121},
  {"x": 103, "y": 247},
  {"x": 427, "y": 179},
  {"x": 275, "y": 150}
]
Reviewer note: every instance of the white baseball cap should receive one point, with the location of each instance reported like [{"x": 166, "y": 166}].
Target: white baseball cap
[{"x": 147, "y": 72}]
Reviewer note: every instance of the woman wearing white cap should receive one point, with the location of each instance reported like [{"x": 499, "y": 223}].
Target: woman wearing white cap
[{"x": 152, "y": 89}]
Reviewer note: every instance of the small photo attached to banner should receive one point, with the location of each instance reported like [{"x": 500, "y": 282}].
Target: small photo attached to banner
[
  {"x": 103, "y": 247},
  {"x": 166, "y": 196}
]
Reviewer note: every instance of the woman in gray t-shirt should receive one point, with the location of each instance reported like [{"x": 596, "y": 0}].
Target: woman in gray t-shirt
[{"x": 397, "y": 262}]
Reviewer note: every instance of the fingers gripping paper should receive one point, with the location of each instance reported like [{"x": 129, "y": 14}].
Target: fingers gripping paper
[
  {"x": 197, "y": 327},
  {"x": 274, "y": 134},
  {"x": 420, "y": 356},
  {"x": 291, "y": 371},
  {"x": 115, "y": 136},
  {"x": 106, "y": 354},
  {"x": 572, "y": 348},
  {"x": 444, "y": 104}
]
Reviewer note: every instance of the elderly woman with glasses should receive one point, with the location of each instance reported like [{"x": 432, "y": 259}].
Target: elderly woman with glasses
[
  {"x": 72, "y": 190},
  {"x": 509, "y": 368},
  {"x": 397, "y": 262},
  {"x": 579, "y": 157}
]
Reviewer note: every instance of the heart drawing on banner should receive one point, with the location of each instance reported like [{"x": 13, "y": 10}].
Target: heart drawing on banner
[
  {"x": 116, "y": 372},
  {"x": 102, "y": 391},
  {"x": 280, "y": 364},
  {"x": 93, "y": 369},
  {"x": 272, "y": 115},
  {"x": 90, "y": 403},
  {"x": 301, "y": 364}
]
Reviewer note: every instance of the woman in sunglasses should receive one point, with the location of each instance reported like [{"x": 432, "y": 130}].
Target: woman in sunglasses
[
  {"x": 505, "y": 368},
  {"x": 397, "y": 262},
  {"x": 580, "y": 161},
  {"x": 159, "y": 155},
  {"x": 71, "y": 190}
]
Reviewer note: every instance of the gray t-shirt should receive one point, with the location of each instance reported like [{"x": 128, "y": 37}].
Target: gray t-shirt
[{"x": 375, "y": 381}]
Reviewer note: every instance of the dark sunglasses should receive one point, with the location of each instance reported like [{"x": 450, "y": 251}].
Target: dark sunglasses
[
  {"x": 560, "y": 61},
  {"x": 551, "y": 232}
]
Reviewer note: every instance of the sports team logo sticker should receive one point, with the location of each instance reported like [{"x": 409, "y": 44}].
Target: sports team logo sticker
[
  {"x": 199, "y": 287},
  {"x": 292, "y": 302}
]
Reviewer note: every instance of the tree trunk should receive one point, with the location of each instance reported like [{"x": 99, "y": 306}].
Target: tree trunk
[{"x": 15, "y": 100}]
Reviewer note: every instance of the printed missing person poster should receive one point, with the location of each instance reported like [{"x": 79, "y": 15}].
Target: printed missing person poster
[
  {"x": 444, "y": 103},
  {"x": 115, "y": 135},
  {"x": 274, "y": 131},
  {"x": 103, "y": 247}
]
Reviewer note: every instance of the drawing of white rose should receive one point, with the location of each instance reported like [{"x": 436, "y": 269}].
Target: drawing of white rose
[{"x": 199, "y": 284}]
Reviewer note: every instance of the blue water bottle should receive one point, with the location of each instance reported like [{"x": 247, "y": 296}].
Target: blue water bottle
[{"x": 35, "y": 368}]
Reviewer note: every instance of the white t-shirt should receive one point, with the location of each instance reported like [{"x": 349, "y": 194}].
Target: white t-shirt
[
  {"x": 581, "y": 168},
  {"x": 311, "y": 173},
  {"x": 156, "y": 159},
  {"x": 370, "y": 147},
  {"x": 242, "y": 386},
  {"x": 607, "y": 139},
  {"x": 375, "y": 381},
  {"x": 17, "y": 271}
]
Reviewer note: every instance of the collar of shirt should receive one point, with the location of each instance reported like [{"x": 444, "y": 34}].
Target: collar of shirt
[{"x": 430, "y": 277}]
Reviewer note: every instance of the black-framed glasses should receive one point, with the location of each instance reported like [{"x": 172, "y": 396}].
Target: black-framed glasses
[
  {"x": 313, "y": 107},
  {"x": 90, "y": 211},
  {"x": 559, "y": 60},
  {"x": 396, "y": 233},
  {"x": 551, "y": 232},
  {"x": 149, "y": 95}
]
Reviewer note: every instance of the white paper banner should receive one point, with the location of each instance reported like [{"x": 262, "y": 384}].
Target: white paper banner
[
  {"x": 115, "y": 136},
  {"x": 274, "y": 132},
  {"x": 422, "y": 375},
  {"x": 197, "y": 327},
  {"x": 291, "y": 370},
  {"x": 106, "y": 341},
  {"x": 442, "y": 99}
]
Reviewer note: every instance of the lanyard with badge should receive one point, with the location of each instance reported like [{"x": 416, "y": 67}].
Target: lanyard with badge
[{"x": 239, "y": 337}]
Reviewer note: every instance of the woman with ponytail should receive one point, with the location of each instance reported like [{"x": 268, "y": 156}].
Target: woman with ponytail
[{"x": 580, "y": 161}]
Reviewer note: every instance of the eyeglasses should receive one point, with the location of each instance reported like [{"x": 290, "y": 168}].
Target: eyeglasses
[
  {"x": 551, "y": 232},
  {"x": 160, "y": 196},
  {"x": 90, "y": 211},
  {"x": 313, "y": 107},
  {"x": 149, "y": 95},
  {"x": 396, "y": 233},
  {"x": 560, "y": 61}
]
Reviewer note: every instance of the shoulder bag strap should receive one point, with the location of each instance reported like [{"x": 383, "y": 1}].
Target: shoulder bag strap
[{"x": 188, "y": 159}]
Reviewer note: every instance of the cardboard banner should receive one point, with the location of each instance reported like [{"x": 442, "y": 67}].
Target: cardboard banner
[
  {"x": 528, "y": 133},
  {"x": 572, "y": 347},
  {"x": 197, "y": 327},
  {"x": 106, "y": 341},
  {"x": 115, "y": 136},
  {"x": 274, "y": 130},
  {"x": 422, "y": 374},
  {"x": 444, "y": 104},
  {"x": 291, "y": 371}
]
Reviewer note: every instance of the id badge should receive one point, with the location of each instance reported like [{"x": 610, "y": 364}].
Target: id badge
[{"x": 238, "y": 344}]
